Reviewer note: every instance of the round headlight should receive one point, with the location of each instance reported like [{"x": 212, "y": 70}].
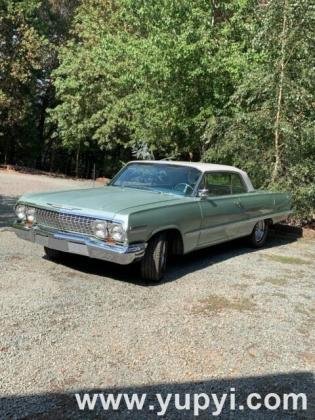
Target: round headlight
[
  {"x": 20, "y": 211},
  {"x": 117, "y": 233},
  {"x": 30, "y": 214},
  {"x": 100, "y": 228}
]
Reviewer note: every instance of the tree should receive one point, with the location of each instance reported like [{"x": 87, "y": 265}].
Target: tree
[
  {"x": 140, "y": 73},
  {"x": 20, "y": 63},
  {"x": 101, "y": 81},
  {"x": 30, "y": 33},
  {"x": 267, "y": 125}
]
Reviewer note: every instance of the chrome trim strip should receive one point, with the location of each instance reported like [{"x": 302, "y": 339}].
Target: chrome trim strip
[{"x": 282, "y": 214}]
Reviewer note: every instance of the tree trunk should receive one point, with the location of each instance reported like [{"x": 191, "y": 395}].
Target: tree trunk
[
  {"x": 52, "y": 159},
  {"x": 6, "y": 153},
  {"x": 278, "y": 144},
  {"x": 77, "y": 160},
  {"x": 41, "y": 128}
]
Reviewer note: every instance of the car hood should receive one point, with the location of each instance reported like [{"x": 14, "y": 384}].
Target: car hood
[{"x": 106, "y": 201}]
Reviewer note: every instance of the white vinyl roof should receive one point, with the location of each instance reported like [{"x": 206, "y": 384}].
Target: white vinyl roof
[{"x": 203, "y": 167}]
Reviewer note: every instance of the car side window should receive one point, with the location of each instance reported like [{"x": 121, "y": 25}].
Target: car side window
[
  {"x": 223, "y": 183},
  {"x": 238, "y": 186},
  {"x": 218, "y": 183}
]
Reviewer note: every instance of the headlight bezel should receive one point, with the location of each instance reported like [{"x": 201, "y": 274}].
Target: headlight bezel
[
  {"x": 20, "y": 211},
  {"x": 117, "y": 233},
  {"x": 25, "y": 213},
  {"x": 100, "y": 229},
  {"x": 30, "y": 214},
  {"x": 109, "y": 231}
]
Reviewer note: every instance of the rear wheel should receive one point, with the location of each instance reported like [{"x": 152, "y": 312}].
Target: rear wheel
[
  {"x": 153, "y": 264},
  {"x": 259, "y": 235},
  {"x": 53, "y": 254}
]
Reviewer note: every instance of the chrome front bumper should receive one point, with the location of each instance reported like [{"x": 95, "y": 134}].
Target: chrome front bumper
[{"x": 80, "y": 244}]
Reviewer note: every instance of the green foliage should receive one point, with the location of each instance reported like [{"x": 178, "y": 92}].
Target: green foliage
[
  {"x": 155, "y": 71},
  {"x": 100, "y": 81},
  {"x": 20, "y": 63},
  {"x": 274, "y": 103},
  {"x": 30, "y": 31}
]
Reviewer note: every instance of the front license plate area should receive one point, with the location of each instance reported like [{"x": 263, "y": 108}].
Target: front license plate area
[
  {"x": 41, "y": 240},
  {"x": 62, "y": 245},
  {"x": 78, "y": 248}
]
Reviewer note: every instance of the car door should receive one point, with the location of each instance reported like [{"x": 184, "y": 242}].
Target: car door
[{"x": 221, "y": 210}]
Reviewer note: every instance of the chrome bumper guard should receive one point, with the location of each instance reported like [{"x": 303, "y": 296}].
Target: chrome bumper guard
[{"x": 80, "y": 244}]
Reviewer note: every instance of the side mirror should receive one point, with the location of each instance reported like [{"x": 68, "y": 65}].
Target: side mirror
[{"x": 203, "y": 193}]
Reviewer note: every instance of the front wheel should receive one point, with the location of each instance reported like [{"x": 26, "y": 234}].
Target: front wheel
[
  {"x": 259, "y": 234},
  {"x": 153, "y": 264}
]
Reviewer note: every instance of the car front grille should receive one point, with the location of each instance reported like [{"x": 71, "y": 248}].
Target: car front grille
[{"x": 64, "y": 222}]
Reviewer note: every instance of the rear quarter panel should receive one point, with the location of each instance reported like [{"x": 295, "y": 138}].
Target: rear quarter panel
[
  {"x": 261, "y": 202},
  {"x": 266, "y": 205}
]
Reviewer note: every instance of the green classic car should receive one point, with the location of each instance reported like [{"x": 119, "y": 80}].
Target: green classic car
[{"x": 151, "y": 209}]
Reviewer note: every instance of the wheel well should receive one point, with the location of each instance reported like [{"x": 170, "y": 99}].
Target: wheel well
[
  {"x": 175, "y": 240},
  {"x": 269, "y": 223}
]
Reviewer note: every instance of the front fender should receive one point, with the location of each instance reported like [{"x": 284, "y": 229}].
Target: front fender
[{"x": 184, "y": 217}]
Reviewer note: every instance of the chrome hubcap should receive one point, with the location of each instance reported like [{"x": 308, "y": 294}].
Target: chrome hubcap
[{"x": 260, "y": 230}]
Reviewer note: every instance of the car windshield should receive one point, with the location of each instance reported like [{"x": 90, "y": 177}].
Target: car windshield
[{"x": 174, "y": 179}]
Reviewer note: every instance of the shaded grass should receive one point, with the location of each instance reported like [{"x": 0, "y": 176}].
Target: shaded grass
[
  {"x": 241, "y": 286},
  {"x": 309, "y": 312},
  {"x": 216, "y": 304},
  {"x": 276, "y": 281},
  {"x": 280, "y": 295},
  {"x": 286, "y": 260}
]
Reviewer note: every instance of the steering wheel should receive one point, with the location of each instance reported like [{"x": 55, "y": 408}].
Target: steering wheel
[{"x": 178, "y": 187}]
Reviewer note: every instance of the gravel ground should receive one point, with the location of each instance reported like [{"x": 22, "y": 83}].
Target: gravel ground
[{"x": 225, "y": 316}]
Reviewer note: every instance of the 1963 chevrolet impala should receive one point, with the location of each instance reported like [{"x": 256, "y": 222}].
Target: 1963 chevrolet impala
[{"x": 151, "y": 209}]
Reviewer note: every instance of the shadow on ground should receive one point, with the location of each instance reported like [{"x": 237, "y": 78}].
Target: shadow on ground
[
  {"x": 6, "y": 210},
  {"x": 178, "y": 267},
  {"x": 61, "y": 405}
]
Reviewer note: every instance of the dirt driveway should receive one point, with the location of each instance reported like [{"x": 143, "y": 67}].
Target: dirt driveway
[{"x": 224, "y": 317}]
